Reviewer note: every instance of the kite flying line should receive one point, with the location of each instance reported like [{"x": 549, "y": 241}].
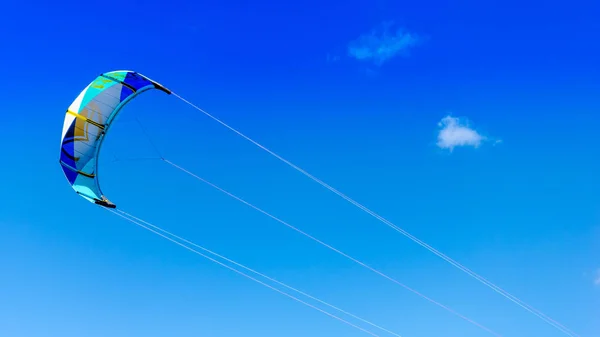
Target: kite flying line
[
  {"x": 452, "y": 311},
  {"x": 255, "y": 272},
  {"x": 133, "y": 220},
  {"x": 423, "y": 244}
]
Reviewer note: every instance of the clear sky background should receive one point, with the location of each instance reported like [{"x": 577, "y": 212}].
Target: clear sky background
[{"x": 378, "y": 116}]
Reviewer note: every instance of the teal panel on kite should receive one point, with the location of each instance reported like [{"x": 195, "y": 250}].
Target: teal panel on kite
[{"x": 86, "y": 122}]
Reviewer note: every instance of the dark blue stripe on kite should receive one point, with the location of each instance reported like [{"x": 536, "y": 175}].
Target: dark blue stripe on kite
[
  {"x": 67, "y": 157},
  {"x": 71, "y": 130},
  {"x": 136, "y": 81},
  {"x": 125, "y": 92},
  {"x": 68, "y": 147},
  {"x": 71, "y": 175}
]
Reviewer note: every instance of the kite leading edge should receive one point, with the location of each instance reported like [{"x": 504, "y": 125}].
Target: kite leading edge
[{"x": 86, "y": 122}]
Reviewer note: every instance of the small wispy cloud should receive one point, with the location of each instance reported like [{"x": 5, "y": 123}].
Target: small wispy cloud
[
  {"x": 381, "y": 44},
  {"x": 597, "y": 278},
  {"x": 454, "y": 132}
]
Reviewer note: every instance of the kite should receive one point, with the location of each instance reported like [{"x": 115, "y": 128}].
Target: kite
[{"x": 86, "y": 122}]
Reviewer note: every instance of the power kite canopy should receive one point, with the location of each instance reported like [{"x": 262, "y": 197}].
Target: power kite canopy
[{"x": 86, "y": 122}]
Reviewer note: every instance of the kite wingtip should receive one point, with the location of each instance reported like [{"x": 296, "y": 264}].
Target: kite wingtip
[
  {"x": 105, "y": 203},
  {"x": 162, "y": 88}
]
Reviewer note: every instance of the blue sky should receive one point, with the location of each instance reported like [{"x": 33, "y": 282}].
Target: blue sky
[{"x": 471, "y": 125}]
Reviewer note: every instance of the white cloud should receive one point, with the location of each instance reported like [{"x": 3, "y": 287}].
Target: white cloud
[
  {"x": 454, "y": 132},
  {"x": 380, "y": 45}
]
